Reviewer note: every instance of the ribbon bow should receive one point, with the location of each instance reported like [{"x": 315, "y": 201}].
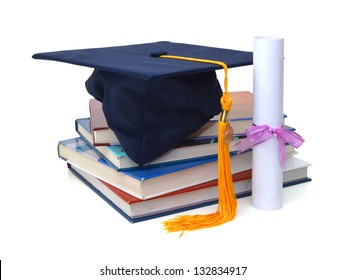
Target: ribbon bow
[{"x": 257, "y": 134}]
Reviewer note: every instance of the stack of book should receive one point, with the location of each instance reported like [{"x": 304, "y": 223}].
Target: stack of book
[{"x": 182, "y": 179}]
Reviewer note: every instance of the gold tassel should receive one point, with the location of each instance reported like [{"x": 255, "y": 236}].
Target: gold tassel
[{"x": 227, "y": 203}]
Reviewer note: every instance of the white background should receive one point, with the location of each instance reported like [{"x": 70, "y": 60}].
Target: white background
[{"x": 53, "y": 227}]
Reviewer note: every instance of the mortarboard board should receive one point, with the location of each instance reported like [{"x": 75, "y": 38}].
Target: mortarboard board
[{"x": 152, "y": 103}]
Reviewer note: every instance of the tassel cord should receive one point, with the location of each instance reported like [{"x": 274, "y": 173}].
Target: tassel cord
[{"x": 227, "y": 203}]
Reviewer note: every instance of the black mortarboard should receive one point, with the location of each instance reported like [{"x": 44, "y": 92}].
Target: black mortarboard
[{"x": 153, "y": 103}]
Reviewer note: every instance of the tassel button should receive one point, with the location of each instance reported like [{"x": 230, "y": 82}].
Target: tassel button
[{"x": 228, "y": 133}]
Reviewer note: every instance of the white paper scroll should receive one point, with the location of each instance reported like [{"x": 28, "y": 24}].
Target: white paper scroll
[{"x": 268, "y": 68}]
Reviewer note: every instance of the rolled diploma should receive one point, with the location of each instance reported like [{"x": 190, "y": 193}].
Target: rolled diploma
[{"x": 268, "y": 76}]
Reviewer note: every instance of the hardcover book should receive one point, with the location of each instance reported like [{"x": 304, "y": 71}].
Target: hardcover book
[{"x": 204, "y": 194}]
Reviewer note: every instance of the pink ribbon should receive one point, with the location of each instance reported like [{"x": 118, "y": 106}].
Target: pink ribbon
[{"x": 257, "y": 134}]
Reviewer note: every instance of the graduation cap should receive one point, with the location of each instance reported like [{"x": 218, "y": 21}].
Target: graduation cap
[{"x": 156, "y": 94}]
